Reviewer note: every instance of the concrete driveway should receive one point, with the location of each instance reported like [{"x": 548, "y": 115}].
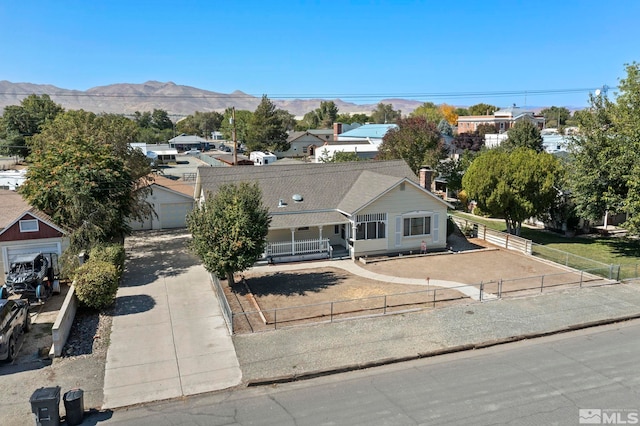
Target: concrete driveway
[{"x": 168, "y": 336}]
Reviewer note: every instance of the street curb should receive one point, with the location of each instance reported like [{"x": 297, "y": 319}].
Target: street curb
[{"x": 453, "y": 349}]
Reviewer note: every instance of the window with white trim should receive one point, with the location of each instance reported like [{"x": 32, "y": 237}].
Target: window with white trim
[
  {"x": 29, "y": 225},
  {"x": 371, "y": 226},
  {"x": 416, "y": 226}
]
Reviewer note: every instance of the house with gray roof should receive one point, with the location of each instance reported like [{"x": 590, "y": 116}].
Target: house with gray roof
[
  {"x": 301, "y": 144},
  {"x": 186, "y": 142},
  {"x": 361, "y": 208}
]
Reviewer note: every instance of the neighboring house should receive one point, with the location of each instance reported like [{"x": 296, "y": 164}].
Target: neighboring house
[
  {"x": 188, "y": 142},
  {"x": 161, "y": 154},
  {"x": 302, "y": 144},
  {"x": 372, "y": 133},
  {"x": 503, "y": 119},
  {"x": 12, "y": 179},
  {"x": 171, "y": 201},
  {"x": 362, "y": 140},
  {"x": 24, "y": 229},
  {"x": 360, "y": 208},
  {"x": 552, "y": 143},
  {"x": 364, "y": 151}
]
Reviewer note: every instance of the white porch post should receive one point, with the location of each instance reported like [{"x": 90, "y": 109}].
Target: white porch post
[
  {"x": 293, "y": 241},
  {"x": 320, "y": 237},
  {"x": 354, "y": 229}
]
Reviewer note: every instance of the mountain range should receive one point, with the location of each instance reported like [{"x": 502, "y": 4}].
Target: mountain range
[{"x": 177, "y": 100}]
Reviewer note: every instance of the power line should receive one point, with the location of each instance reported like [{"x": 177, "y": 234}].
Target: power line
[{"x": 311, "y": 96}]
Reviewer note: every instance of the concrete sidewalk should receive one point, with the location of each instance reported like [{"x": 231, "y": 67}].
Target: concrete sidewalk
[
  {"x": 168, "y": 336},
  {"x": 289, "y": 354}
]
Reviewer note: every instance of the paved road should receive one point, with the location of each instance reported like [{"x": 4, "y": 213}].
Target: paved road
[{"x": 544, "y": 381}]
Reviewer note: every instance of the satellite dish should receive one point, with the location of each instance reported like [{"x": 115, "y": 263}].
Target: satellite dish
[{"x": 597, "y": 92}]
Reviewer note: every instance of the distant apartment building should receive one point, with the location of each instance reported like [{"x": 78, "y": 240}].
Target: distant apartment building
[{"x": 503, "y": 119}]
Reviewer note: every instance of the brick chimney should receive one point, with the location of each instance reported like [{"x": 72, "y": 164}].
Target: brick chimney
[
  {"x": 337, "y": 129},
  {"x": 426, "y": 177}
]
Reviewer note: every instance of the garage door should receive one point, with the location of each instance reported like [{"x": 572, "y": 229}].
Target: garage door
[
  {"x": 12, "y": 252},
  {"x": 174, "y": 215}
]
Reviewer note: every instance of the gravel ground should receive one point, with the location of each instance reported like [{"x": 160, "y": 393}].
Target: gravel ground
[
  {"x": 81, "y": 366},
  {"x": 89, "y": 334}
]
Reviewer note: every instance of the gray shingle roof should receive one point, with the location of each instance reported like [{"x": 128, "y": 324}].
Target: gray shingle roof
[{"x": 323, "y": 187}]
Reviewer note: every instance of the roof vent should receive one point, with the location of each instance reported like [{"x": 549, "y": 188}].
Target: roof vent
[
  {"x": 281, "y": 203},
  {"x": 297, "y": 198}
]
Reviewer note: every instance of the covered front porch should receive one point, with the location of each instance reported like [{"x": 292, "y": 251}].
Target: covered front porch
[{"x": 308, "y": 242}]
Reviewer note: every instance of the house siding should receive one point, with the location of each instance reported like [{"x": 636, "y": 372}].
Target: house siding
[
  {"x": 298, "y": 146},
  {"x": 399, "y": 202},
  {"x": 44, "y": 231}
]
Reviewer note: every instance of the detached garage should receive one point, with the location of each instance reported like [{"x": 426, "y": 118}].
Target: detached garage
[
  {"x": 24, "y": 229},
  {"x": 171, "y": 201}
]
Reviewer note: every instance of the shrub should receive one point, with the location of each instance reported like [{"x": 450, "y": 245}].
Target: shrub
[
  {"x": 113, "y": 254},
  {"x": 96, "y": 284}
]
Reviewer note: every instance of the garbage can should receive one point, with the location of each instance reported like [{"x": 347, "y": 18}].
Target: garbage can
[
  {"x": 74, "y": 406},
  {"x": 45, "y": 404}
]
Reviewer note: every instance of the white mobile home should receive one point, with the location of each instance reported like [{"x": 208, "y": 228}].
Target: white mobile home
[{"x": 260, "y": 158}]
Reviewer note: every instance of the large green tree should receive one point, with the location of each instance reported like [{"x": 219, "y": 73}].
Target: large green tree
[
  {"x": 229, "y": 229},
  {"x": 347, "y": 118},
  {"x": 430, "y": 111},
  {"x": 266, "y": 131},
  {"x": 416, "y": 140},
  {"x": 605, "y": 154},
  {"x": 556, "y": 116},
  {"x": 85, "y": 175},
  {"x": 384, "y": 113},
  {"x": 524, "y": 134},
  {"x": 21, "y": 122},
  {"x": 200, "y": 123},
  {"x": 514, "y": 185},
  {"x": 482, "y": 109},
  {"x": 241, "y": 124}
]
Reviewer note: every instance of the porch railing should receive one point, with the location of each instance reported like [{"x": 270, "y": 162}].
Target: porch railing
[{"x": 288, "y": 248}]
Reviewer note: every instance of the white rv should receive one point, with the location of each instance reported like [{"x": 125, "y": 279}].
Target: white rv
[{"x": 260, "y": 158}]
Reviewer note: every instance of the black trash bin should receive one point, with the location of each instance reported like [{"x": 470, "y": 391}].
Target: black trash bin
[
  {"x": 45, "y": 404},
  {"x": 74, "y": 406}
]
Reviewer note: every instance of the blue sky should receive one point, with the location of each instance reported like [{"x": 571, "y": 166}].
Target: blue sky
[{"x": 360, "y": 51}]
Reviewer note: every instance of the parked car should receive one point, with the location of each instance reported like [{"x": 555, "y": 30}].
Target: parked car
[
  {"x": 31, "y": 275},
  {"x": 193, "y": 152},
  {"x": 14, "y": 320}
]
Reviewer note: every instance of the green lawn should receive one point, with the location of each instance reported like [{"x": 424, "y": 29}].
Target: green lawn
[{"x": 610, "y": 250}]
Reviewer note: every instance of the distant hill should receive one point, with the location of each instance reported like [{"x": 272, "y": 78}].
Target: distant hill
[{"x": 177, "y": 100}]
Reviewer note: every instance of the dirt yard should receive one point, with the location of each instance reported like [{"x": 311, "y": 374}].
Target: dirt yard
[{"x": 278, "y": 299}]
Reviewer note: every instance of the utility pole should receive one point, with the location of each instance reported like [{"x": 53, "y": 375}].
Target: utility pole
[{"x": 235, "y": 139}]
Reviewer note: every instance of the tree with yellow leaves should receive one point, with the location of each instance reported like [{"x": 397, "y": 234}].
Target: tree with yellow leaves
[{"x": 449, "y": 113}]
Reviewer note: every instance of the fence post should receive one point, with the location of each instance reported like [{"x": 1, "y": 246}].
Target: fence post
[
  {"x": 581, "y": 272},
  {"x": 566, "y": 259},
  {"x": 541, "y": 283},
  {"x": 500, "y": 289},
  {"x": 275, "y": 319},
  {"x": 481, "y": 289},
  {"x": 434, "y": 297},
  {"x": 385, "y": 305},
  {"x": 610, "y": 271},
  {"x": 331, "y": 316}
]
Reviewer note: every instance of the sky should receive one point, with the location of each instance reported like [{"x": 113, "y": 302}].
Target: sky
[{"x": 529, "y": 53}]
